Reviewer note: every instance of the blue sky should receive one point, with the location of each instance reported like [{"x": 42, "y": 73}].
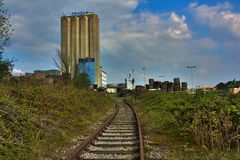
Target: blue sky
[{"x": 162, "y": 36}]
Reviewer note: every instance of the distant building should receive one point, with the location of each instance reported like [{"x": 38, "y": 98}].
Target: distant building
[
  {"x": 235, "y": 90},
  {"x": 157, "y": 85},
  {"x": 165, "y": 86},
  {"x": 139, "y": 88},
  {"x": 80, "y": 40},
  {"x": 221, "y": 86},
  {"x": 154, "y": 85},
  {"x": 176, "y": 85},
  {"x": 104, "y": 79},
  {"x": 53, "y": 72},
  {"x": 230, "y": 86},
  {"x": 29, "y": 75},
  {"x": 151, "y": 84},
  {"x": 87, "y": 66},
  {"x": 184, "y": 87},
  {"x": 39, "y": 74},
  {"x": 170, "y": 87},
  {"x": 116, "y": 88},
  {"x": 206, "y": 88},
  {"x": 147, "y": 86},
  {"x": 151, "y": 81},
  {"x": 112, "y": 89},
  {"x": 130, "y": 82},
  {"x": 48, "y": 76}
]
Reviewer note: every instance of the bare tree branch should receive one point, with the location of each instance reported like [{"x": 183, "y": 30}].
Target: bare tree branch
[{"x": 63, "y": 63}]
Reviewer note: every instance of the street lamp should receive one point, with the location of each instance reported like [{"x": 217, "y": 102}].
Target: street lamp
[
  {"x": 144, "y": 75},
  {"x": 191, "y": 68},
  {"x": 161, "y": 77},
  {"x": 132, "y": 79}
]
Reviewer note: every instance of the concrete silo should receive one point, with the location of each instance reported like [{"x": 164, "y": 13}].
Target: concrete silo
[{"x": 80, "y": 40}]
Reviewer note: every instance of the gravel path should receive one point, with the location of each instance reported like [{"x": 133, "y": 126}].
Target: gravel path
[
  {"x": 156, "y": 151},
  {"x": 63, "y": 152},
  {"x": 119, "y": 140}
]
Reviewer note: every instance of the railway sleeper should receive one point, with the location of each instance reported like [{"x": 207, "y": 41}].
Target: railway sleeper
[
  {"x": 115, "y": 143},
  {"x": 95, "y": 156},
  {"x": 120, "y": 131},
  {"x": 118, "y": 134},
  {"x": 110, "y": 150},
  {"x": 130, "y": 138}
]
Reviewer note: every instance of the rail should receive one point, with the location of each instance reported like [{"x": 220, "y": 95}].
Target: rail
[
  {"x": 88, "y": 141},
  {"x": 141, "y": 146}
]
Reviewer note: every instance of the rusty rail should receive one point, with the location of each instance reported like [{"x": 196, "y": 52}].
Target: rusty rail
[
  {"x": 88, "y": 141},
  {"x": 141, "y": 144}
]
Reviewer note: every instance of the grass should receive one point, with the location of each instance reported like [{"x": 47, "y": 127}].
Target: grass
[
  {"x": 37, "y": 119},
  {"x": 199, "y": 126}
]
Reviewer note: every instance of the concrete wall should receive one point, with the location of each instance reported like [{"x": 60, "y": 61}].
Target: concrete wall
[
  {"x": 74, "y": 50},
  {"x": 65, "y": 37},
  {"x": 83, "y": 43}
]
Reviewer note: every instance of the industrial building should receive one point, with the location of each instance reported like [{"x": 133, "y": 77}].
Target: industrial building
[
  {"x": 48, "y": 76},
  {"x": 176, "y": 85},
  {"x": 230, "y": 86},
  {"x": 80, "y": 40},
  {"x": 87, "y": 65},
  {"x": 104, "y": 79},
  {"x": 166, "y": 86},
  {"x": 116, "y": 88},
  {"x": 129, "y": 81}
]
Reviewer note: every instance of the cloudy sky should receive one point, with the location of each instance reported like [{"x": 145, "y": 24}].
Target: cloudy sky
[{"x": 163, "y": 36}]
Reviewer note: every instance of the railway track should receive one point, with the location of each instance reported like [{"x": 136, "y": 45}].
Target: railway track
[{"x": 118, "y": 138}]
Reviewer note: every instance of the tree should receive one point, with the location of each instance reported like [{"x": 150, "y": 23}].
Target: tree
[
  {"x": 5, "y": 27},
  {"x": 81, "y": 81},
  {"x": 6, "y": 30},
  {"x": 6, "y": 66},
  {"x": 63, "y": 63}
]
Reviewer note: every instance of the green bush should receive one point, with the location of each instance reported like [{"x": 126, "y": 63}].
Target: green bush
[
  {"x": 81, "y": 81},
  {"x": 209, "y": 121},
  {"x": 37, "y": 119}
]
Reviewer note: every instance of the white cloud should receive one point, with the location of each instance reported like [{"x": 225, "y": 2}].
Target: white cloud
[
  {"x": 126, "y": 16},
  {"x": 143, "y": 28},
  {"x": 37, "y": 24},
  {"x": 163, "y": 41},
  {"x": 17, "y": 72},
  {"x": 129, "y": 3},
  {"x": 179, "y": 28},
  {"x": 219, "y": 16}
]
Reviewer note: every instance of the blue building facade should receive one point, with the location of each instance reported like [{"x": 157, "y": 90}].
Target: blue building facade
[{"x": 87, "y": 65}]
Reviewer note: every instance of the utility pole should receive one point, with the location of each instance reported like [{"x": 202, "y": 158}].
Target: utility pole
[
  {"x": 161, "y": 77},
  {"x": 191, "y": 68},
  {"x": 144, "y": 76},
  {"x": 132, "y": 79}
]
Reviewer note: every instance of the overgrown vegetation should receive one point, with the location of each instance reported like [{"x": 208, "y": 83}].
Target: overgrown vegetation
[
  {"x": 6, "y": 66},
  {"x": 81, "y": 81},
  {"x": 203, "y": 126},
  {"x": 6, "y": 30},
  {"x": 36, "y": 119}
]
